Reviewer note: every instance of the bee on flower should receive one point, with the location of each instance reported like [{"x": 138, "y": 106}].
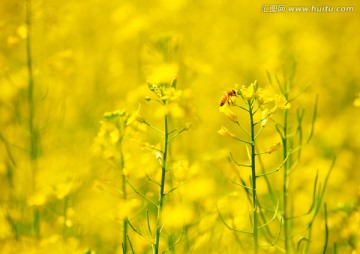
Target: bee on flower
[{"x": 228, "y": 98}]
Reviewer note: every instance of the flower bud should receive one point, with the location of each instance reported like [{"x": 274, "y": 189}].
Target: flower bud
[
  {"x": 173, "y": 82},
  {"x": 273, "y": 148},
  {"x": 187, "y": 126}
]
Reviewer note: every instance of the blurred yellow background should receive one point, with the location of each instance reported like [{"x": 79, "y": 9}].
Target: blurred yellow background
[{"x": 91, "y": 57}]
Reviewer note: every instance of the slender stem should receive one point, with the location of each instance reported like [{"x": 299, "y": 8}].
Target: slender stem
[
  {"x": 131, "y": 247},
  {"x": 125, "y": 221},
  {"x": 34, "y": 141},
  {"x": 162, "y": 188},
  {"x": 241, "y": 140},
  {"x": 326, "y": 230},
  {"x": 253, "y": 178},
  {"x": 231, "y": 228},
  {"x": 139, "y": 193},
  {"x": 30, "y": 73},
  {"x": 287, "y": 165},
  {"x": 243, "y": 129}
]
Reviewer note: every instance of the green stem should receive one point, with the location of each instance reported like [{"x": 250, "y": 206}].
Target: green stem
[
  {"x": 125, "y": 221},
  {"x": 31, "y": 108},
  {"x": 253, "y": 178},
  {"x": 326, "y": 230},
  {"x": 34, "y": 141},
  {"x": 162, "y": 188},
  {"x": 285, "y": 183},
  {"x": 29, "y": 64}
]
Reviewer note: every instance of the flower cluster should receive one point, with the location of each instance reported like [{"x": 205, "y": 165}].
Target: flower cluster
[
  {"x": 113, "y": 128},
  {"x": 165, "y": 91},
  {"x": 259, "y": 105},
  {"x": 267, "y": 101},
  {"x": 174, "y": 102}
]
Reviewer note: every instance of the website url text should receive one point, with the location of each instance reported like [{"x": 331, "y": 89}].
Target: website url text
[{"x": 278, "y": 8}]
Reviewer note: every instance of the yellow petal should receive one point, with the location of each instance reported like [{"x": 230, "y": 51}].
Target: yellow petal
[
  {"x": 133, "y": 116},
  {"x": 281, "y": 102},
  {"x": 248, "y": 92},
  {"x": 264, "y": 96},
  {"x": 229, "y": 113},
  {"x": 226, "y": 133}
]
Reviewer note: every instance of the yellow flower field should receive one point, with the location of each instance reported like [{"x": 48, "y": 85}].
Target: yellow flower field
[{"x": 179, "y": 126}]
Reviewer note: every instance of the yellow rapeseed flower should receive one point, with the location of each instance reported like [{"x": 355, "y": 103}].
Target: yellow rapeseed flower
[
  {"x": 229, "y": 113},
  {"x": 226, "y": 133},
  {"x": 264, "y": 95},
  {"x": 280, "y": 103},
  {"x": 249, "y": 92}
]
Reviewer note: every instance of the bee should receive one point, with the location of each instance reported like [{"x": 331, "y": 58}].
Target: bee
[{"x": 227, "y": 98}]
